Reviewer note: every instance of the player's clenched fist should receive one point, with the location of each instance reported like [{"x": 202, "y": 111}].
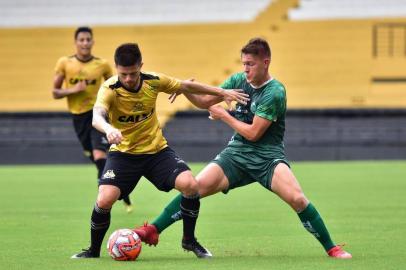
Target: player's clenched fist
[{"x": 114, "y": 135}]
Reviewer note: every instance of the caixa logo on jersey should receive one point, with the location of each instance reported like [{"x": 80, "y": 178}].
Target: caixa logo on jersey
[
  {"x": 135, "y": 118},
  {"x": 88, "y": 82}
]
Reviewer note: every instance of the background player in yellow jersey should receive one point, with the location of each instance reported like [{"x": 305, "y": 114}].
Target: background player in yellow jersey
[
  {"x": 138, "y": 147},
  {"x": 82, "y": 74}
]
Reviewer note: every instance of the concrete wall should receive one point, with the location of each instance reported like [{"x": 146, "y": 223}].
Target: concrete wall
[
  {"x": 48, "y": 138},
  {"x": 310, "y": 135}
]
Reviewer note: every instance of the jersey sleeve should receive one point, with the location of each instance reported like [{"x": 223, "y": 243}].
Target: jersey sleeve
[
  {"x": 230, "y": 82},
  {"x": 105, "y": 97},
  {"x": 168, "y": 84},
  {"x": 272, "y": 104},
  {"x": 60, "y": 66}
]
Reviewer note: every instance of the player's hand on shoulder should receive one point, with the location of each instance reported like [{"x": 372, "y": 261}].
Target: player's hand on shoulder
[
  {"x": 114, "y": 135},
  {"x": 235, "y": 95}
]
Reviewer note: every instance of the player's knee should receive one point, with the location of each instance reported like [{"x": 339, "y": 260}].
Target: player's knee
[
  {"x": 108, "y": 195},
  {"x": 104, "y": 203},
  {"x": 191, "y": 187},
  {"x": 211, "y": 186},
  {"x": 187, "y": 184},
  {"x": 299, "y": 202}
]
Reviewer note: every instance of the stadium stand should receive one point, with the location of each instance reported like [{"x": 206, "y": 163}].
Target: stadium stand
[
  {"x": 28, "y": 13},
  {"x": 351, "y": 64},
  {"x": 325, "y": 64},
  {"x": 347, "y": 9}
]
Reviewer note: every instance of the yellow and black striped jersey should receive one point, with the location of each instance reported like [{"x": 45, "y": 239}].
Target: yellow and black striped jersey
[
  {"x": 134, "y": 112},
  {"x": 92, "y": 71}
]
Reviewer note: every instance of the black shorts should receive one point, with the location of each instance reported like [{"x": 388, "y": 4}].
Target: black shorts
[
  {"x": 124, "y": 170},
  {"x": 89, "y": 137}
]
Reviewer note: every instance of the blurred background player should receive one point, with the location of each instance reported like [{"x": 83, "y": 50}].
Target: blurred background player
[
  {"x": 139, "y": 148},
  {"x": 256, "y": 151},
  {"x": 83, "y": 74}
]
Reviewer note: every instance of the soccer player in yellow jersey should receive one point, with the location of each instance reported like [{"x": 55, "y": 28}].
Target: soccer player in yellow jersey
[
  {"x": 125, "y": 111},
  {"x": 82, "y": 75}
]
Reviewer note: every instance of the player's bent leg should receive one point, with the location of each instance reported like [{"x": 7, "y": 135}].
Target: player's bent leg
[
  {"x": 186, "y": 183},
  {"x": 285, "y": 185},
  {"x": 211, "y": 180},
  {"x": 100, "y": 221},
  {"x": 149, "y": 233},
  {"x": 189, "y": 208},
  {"x": 108, "y": 195}
]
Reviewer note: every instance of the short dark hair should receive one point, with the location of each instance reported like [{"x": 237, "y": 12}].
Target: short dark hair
[
  {"x": 83, "y": 29},
  {"x": 128, "y": 54},
  {"x": 257, "y": 46}
]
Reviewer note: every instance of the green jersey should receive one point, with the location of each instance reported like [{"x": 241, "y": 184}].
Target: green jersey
[{"x": 269, "y": 102}]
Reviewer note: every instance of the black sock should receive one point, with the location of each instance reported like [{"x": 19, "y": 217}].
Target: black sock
[
  {"x": 127, "y": 200},
  {"x": 189, "y": 207},
  {"x": 100, "y": 166},
  {"x": 99, "y": 223}
]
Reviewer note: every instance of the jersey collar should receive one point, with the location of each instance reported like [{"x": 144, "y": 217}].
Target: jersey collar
[
  {"x": 262, "y": 85},
  {"x": 90, "y": 59},
  {"x": 119, "y": 84}
]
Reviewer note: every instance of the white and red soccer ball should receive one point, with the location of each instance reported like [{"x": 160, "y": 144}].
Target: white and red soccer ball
[{"x": 124, "y": 245}]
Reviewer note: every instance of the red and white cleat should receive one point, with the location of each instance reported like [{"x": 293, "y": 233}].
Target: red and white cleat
[
  {"x": 148, "y": 234},
  {"x": 339, "y": 253}
]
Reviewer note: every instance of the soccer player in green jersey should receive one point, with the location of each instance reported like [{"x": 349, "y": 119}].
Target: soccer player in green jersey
[{"x": 255, "y": 153}]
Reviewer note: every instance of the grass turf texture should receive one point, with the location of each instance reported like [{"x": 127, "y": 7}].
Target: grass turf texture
[{"x": 45, "y": 216}]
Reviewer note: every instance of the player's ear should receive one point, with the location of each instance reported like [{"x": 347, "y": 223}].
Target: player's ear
[{"x": 267, "y": 62}]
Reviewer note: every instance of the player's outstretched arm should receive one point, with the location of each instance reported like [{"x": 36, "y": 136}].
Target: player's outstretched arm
[
  {"x": 216, "y": 94},
  {"x": 200, "y": 101},
  {"x": 100, "y": 123},
  {"x": 59, "y": 92},
  {"x": 203, "y": 101}
]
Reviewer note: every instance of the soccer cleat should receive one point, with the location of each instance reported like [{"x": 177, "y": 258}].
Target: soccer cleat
[
  {"x": 85, "y": 254},
  {"x": 128, "y": 207},
  {"x": 148, "y": 234},
  {"x": 339, "y": 253},
  {"x": 196, "y": 248}
]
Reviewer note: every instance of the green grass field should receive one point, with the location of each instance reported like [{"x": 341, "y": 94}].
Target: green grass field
[{"x": 45, "y": 215}]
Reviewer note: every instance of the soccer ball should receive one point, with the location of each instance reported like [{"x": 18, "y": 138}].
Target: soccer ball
[{"x": 124, "y": 245}]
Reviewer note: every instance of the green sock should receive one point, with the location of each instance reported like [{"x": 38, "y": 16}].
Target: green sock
[
  {"x": 170, "y": 215},
  {"x": 314, "y": 224}
]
